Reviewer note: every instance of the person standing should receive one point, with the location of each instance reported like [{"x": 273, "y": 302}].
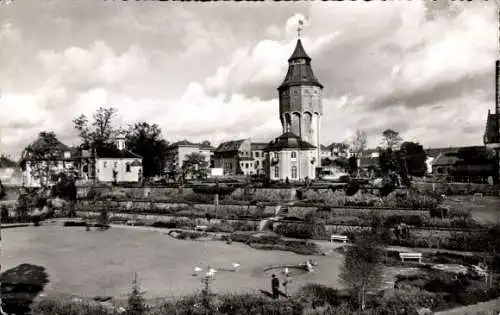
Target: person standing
[{"x": 275, "y": 285}]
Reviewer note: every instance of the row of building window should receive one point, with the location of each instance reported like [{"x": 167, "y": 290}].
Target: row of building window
[
  {"x": 293, "y": 171},
  {"x": 256, "y": 154},
  {"x": 115, "y": 165}
]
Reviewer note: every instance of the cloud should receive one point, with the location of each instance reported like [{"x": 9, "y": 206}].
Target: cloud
[{"x": 211, "y": 72}]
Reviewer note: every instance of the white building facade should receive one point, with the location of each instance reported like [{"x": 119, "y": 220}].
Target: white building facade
[{"x": 289, "y": 157}]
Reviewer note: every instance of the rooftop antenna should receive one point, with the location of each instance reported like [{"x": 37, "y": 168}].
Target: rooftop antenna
[{"x": 300, "y": 28}]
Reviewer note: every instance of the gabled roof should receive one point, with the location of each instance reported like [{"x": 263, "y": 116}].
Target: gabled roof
[
  {"x": 5, "y": 162},
  {"x": 289, "y": 140},
  {"x": 258, "y": 146},
  {"x": 445, "y": 159},
  {"x": 114, "y": 153},
  {"x": 229, "y": 146},
  {"x": 183, "y": 143},
  {"x": 492, "y": 130}
]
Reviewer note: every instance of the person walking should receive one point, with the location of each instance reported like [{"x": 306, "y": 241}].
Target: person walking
[{"x": 275, "y": 285}]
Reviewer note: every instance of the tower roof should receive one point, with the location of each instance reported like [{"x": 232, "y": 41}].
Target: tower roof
[
  {"x": 299, "y": 52},
  {"x": 299, "y": 69}
]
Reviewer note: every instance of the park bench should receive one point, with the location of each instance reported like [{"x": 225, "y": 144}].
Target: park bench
[
  {"x": 411, "y": 256},
  {"x": 201, "y": 228},
  {"x": 339, "y": 238}
]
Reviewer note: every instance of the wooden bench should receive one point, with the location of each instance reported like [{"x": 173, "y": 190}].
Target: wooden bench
[
  {"x": 339, "y": 238},
  {"x": 201, "y": 228},
  {"x": 411, "y": 256}
]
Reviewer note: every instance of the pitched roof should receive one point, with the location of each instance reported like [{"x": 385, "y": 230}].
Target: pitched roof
[
  {"x": 289, "y": 140},
  {"x": 229, "y": 146},
  {"x": 258, "y": 146},
  {"x": 299, "y": 52},
  {"x": 183, "y": 143},
  {"x": 492, "y": 130},
  {"x": 5, "y": 162},
  {"x": 299, "y": 73},
  {"x": 114, "y": 153},
  {"x": 444, "y": 159}
]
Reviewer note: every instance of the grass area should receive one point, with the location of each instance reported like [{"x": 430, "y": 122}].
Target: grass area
[
  {"x": 103, "y": 262},
  {"x": 484, "y": 308},
  {"x": 485, "y": 210}
]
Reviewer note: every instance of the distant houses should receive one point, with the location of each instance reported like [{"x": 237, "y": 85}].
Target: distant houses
[
  {"x": 177, "y": 153},
  {"x": 106, "y": 164},
  {"x": 118, "y": 164}
]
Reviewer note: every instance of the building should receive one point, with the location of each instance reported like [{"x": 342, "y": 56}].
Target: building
[
  {"x": 178, "y": 151},
  {"x": 492, "y": 131},
  {"x": 290, "y": 157},
  {"x": 235, "y": 157},
  {"x": 57, "y": 158},
  {"x": 296, "y": 154},
  {"x": 10, "y": 172},
  {"x": 259, "y": 157},
  {"x": 117, "y": 164},
  {"x": 444, "y": 163},
  {"x": 300, "y": 100},
  {"x": 325, "y": 152}
]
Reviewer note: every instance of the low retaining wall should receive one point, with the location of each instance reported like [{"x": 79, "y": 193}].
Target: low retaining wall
[{"x": 168, "y": 207}]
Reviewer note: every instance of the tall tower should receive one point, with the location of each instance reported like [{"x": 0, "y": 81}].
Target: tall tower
[{"x": 300, "y": 97}]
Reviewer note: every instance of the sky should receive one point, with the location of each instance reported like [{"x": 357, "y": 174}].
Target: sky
[{"x": 209, "y": 71}]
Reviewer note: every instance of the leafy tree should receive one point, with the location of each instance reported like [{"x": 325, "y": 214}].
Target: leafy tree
[
  {"x": 195, "y": 165},
  {"x": 207, "y": 143},
  {"x": 65, "y": 188},
  {"x": 100, "y": 131},
  {"x": 146, "y": 140},
  {"x": 359, "y": 141},
  {"x": 415, "y": 158},
  {"x": 362, "y": 269},
  {"x": 391, "y": 138},
  {"x": 42, "y": 157},
  {"x": 136, "y": 302}
]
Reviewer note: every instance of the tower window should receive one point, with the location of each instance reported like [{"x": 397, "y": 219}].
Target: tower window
[
  {"x": 276, "y": 172},
  {"x": 294, "y": 155},
  {"x": 294, "y": 172}
]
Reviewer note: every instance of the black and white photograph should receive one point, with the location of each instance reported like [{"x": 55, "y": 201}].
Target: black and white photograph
[{"x": 249, "y": 157}]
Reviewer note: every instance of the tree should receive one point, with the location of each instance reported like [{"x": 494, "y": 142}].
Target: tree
[
  {"x": 362, "y": 269},
  {"x": 358, "y": 142},
  {"x": 391, "y": 138},
  {"x": 42, "y": 156},
  {"x": 195, "y": 165},
  {"x": 136, "y": 302},
  {"x": 100, "y": 131},
  {"x": 207, "y": 143},
  {"x": 146, "y": 140},
  {"x": 65, "y": 188},
  {"x": 415, "y": 158}
]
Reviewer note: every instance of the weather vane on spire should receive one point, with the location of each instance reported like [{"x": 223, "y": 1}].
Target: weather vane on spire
[{"x": 300, "y": 27}]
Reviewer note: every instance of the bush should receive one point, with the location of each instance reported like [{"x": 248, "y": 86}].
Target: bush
[
  {"x": 61, "y": 306},
  {"x": 176, "y": 223},
  {"x": 296, "y": 230},
  {"x": 220, "y": 227},
  {"x": 252, "y": 304},
  {"x": 5, "y": 214},
  {"x": 74, "y": 223},
  {"x": 319, "y": 295}
]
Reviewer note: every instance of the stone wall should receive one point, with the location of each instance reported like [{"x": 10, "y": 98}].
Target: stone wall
[{"x": 172, "y": 207}]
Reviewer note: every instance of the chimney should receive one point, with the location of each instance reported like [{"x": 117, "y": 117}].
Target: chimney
[{"x": 497, "y": 87}]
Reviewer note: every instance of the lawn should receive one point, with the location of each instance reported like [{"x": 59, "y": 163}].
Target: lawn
[
  {"x": 103, "y": 262},
  {"x": 485, "y": 210}
]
